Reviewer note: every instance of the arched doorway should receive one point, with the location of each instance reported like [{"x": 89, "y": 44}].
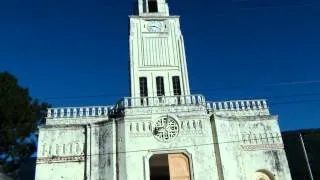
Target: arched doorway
[
  {"x": 169, "y": 167},
  {"x": 262, "y": 175}
]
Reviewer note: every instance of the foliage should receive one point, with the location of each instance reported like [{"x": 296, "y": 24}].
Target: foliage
[{"x": 19, "y": 117}]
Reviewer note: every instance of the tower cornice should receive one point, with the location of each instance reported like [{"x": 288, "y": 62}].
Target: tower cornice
[{"x": 154, "y": 17}]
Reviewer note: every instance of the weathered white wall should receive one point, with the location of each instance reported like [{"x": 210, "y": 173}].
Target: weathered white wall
[
  {"x": 77, "y": 151},
  {"x": 249, "y": 144},
  {"x": 136, "y": 145},
  {"x": 102, "y": 151},
  {"x": 61, "y": 153},
  {"x": 66, "y": 170},
  {"x": 236, "y": 142}
]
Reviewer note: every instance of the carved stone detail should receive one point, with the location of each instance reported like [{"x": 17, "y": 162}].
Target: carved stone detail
[
  {"x": 75, "y": 148},
  {"x": 140, "y": 129},
  {"x": 59, "y": 159},
  {"x": 191, "y": 128},
  {"x": 262, "y": 147},
  {"x": 261, "y": 138},
  {"x": 166, "y": 129}
]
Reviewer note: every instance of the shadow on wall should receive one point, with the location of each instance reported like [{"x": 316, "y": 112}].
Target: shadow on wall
[{"x": 28, "y": 169}]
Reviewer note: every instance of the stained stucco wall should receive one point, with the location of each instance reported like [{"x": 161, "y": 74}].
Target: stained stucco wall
[
  {"x": 76, "y": 151},
  {"x": 60, "y": 153},
  {"x": 249, "y": 144},
  {"x": 102, "y": 152},
  {"x": 137, "y": 144}
]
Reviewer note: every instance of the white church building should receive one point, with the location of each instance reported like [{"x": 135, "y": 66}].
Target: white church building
[{"x": 162, "y": 131}]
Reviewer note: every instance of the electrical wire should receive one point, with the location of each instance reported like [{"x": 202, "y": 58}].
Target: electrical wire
[
  {"x": 188, "y": 146},
  {"x": 304, "y": 83}
]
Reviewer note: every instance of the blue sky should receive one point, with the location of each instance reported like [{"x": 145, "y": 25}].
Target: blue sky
[{"x": 236, "y": 49}]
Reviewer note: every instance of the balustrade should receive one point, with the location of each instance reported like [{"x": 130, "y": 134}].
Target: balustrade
[
  {"x": 128, "y": 102},
  {"x": 162, "y": 101},
  {"x": 73, "y": 112},
  {"x": 238, "y": 105}
]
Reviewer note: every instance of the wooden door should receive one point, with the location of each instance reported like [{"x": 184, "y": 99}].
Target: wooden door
[{"x": 178, "y": 167}]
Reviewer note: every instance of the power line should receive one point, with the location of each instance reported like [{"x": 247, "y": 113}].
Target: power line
[
  {"x": 302, "y": 83},
  {"x": 186, "y": 146},
  {"x": 293, "y": 83},
  {"x": 194, "y": 145},
  {"x": 207, "y": 144},
  {"x": 233, "y": 4},
  {"x": 295, "y": 102}
]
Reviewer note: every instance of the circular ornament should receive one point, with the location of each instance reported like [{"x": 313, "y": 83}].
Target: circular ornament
[{"x": 166, "y": 129}]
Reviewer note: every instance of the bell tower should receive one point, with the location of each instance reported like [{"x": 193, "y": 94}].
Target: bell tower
[
  {"x": 153, "y": 7},
  {"x": 157, "y": 55}
]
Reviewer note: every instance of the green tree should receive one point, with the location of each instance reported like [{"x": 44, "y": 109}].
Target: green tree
[{"x": 19, "y": 117}]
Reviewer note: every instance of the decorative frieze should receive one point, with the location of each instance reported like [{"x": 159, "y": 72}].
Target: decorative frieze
[
  {"x": 191, "y": 127},
  {"x": 60, "y": 159},
  {"x": 261, "y": 141},
  {"x": 261, "y": 138},
  {"x": 140, "y": 129},
  {"x": 197, "y": 110},
  {"x": 128, "y": 102},
  {"x": 75, "y": 148},
  {"x": 262, "y": 147},
  {"x": 146, "y": 129}
]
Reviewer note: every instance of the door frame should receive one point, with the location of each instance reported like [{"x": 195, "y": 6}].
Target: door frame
[{"x": 147, "y": 157}]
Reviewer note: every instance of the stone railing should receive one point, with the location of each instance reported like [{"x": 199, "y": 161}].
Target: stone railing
[
  {"x": 258, "y": 106},
  {"x": 238, "y": 105},
  {"x": 76, "y": 112},
  {"x": 129, "y": 102}
]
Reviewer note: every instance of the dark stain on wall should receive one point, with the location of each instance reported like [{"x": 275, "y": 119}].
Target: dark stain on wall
[{"x": 274, "y": 154}]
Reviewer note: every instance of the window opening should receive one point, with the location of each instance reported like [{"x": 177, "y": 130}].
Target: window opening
[
  {"x": 143, "y": 89},
  {"x": 160, "y": 86},
  {"x": 144, "y": 6},
  {"x": 176, "y": 85},
  {"x": 176, "y": 88},
  {"x": 153, "y": 6}
]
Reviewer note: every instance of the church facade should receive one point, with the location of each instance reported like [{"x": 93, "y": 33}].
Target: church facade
[{"x": 161, "y": 131}]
